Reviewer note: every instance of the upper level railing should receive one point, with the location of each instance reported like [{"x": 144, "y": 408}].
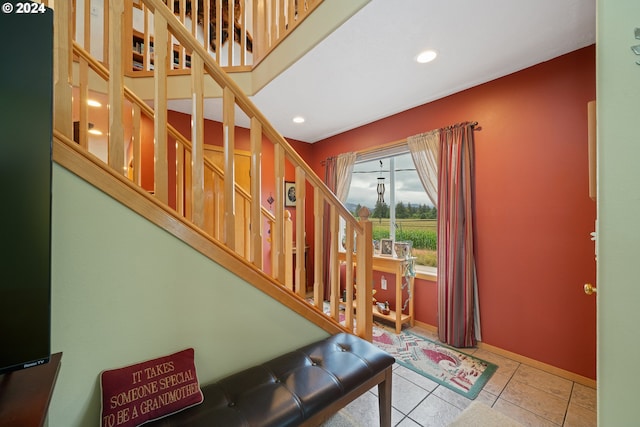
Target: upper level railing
[
  {"x": 225, "y": 28},
  {"x": 198, "y": 189}
]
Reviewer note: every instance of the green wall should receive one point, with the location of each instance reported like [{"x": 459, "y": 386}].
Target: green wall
[
  {"x": 124, "y": 291},
  {"x": 618, "y": 107}
]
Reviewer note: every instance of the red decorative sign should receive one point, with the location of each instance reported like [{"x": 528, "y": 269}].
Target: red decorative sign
[{"x": 149, "y": 390}]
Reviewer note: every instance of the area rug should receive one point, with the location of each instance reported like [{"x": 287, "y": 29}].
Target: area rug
[{"x": 460, "y": 372}]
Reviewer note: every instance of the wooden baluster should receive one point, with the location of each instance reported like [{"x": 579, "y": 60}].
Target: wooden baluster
[
  {"x": 136, "y": 140},
  {"x": 161, "y": 166},
  {"x": 277, "y": 234},
  {"x": 127, "y": 60},
  {"x": 274, "y": 24},
  {"x": 301, "y": 270},
  {"x": 231, "y": 31},
  {"x": 318, "y": 249},
  {"x": 260, "y": 27},
  {"x": 197, "y": 140},
  {"x": 147, "y": 39},
  {"x": 288, "y": 251},
  {"x": 334, "y": 265},
  {"x": 86, "y": 24},
  {"x": 348, "y": 306},
  {"x": 106, "y": 31},
  {"x": 291, "y": 15},
  {"x": 246, "y": 227},
  {"x": 182, "y": 56},
  {"x": 218, "y": 206},
  {"x": 210, "y": 211},
  {"x": 256, "y": 193},
  {"x": 364, "y": 278},
  {"x": 62, "y": 48},
  {"x": 218, "y": 34},
  {"x": 278, "y": 17},
  {"x": 181, "y": 170},
  {"x": 228, "y": 141},
  {"x": 271, "y": 227},
  {"x": 116, "y": 87},
  {"x": 206, "y": 25},
  {"x": 83, "y": 128},
  {"x": 83, "y": 106}
]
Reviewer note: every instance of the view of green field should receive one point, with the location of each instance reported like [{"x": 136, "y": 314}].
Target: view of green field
[{"x": 421, "y": 232}]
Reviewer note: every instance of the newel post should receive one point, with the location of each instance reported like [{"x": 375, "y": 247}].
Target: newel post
[{"x": 364, "y": 277}]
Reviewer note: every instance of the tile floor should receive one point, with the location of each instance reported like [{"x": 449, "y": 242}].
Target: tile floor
[{"x": 530, "y": 396}]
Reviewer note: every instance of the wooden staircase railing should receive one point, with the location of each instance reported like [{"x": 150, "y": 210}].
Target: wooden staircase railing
[
  {"x": 272, "y": 20},
  {"x": 204, "y": 193}
]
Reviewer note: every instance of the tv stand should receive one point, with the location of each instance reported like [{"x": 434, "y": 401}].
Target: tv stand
[{"x": 25, "y": 394}]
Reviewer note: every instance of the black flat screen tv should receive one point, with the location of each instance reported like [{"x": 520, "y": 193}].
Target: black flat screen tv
[{"x": 26, "y": 123}]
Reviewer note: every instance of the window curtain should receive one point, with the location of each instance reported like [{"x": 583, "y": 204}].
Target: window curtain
[
  {"x": 337, "y": 177},
  {"x": 343, "y": 171},
  {"x": 424, "y": 150},
  {"x": 458, "y": 314}
]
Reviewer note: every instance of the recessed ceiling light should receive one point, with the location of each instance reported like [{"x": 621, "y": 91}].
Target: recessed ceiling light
[
  {"x": 426, "y": 56},
  {"x": 93, "y": 103},
  {"x": 298, "y": 119}
]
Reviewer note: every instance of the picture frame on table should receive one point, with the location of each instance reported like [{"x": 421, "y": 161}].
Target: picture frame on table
[
  {"x": 386, "y": 247},
  {"x": 289, "y": 194},
  {"x": 376, "y": 247}
]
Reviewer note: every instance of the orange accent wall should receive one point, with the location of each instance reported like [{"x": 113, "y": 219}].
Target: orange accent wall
[{"x": 533, "y": 211}]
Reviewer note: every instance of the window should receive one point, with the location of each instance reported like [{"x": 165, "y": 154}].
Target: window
[{"x": 407, "y": 213}]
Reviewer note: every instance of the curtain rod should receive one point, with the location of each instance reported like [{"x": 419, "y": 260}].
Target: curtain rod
[{"x": 393, "y": 144}]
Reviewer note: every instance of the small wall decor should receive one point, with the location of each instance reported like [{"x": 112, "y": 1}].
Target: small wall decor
[
  {"x": 290, "y": 194},
  {"x": 386, "y": 247},
  {"x": 636, "y": 48}
]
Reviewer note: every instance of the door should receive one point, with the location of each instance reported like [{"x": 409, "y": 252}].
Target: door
[{"x": 618, "y": 211}]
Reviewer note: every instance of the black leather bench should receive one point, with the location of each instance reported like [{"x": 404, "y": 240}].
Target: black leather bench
[{"x": 301, "y": 388}]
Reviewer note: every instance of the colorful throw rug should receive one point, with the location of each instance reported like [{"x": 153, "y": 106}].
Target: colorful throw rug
[{"x": 453, "y": 369}]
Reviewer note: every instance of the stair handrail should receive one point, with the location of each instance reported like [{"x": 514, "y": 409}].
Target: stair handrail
[
  {"x": 242, "y": 100},
  {"x": 165, "y": 21},
  {"x": 103, "y": 73},
  {"x": 362, "y": 230}
]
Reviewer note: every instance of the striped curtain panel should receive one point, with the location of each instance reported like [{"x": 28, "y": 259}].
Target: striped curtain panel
[
  {"x": 337, "y": 176},
  {"x": 458, "y": 320}
]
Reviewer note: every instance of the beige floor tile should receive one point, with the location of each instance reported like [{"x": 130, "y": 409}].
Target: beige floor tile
[
  {"x": 535, "y": 400},
  {"x": 362, "y": 412},
  {"x": 407, "y": 422},
  {"x": 487, "y": 398},
  {"x": 497, "y": 383},
  {"x": 405, "y": 395},
  {"x": 584, "y": 396},
  {"x": 505, "y": 365},
  {"x": 521, "y": 415},
  {"x": 578, "y": 416},
  {"x": 434, "y": 412},
  {"x": 544, "y": 381},
  {"x": 448, "y": 395}
]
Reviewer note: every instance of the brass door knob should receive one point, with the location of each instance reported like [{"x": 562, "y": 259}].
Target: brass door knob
[{"x": 589, "y": 289}]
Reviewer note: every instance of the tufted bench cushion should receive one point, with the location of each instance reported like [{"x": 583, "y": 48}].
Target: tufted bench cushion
[{"x": 303, "y": 387}]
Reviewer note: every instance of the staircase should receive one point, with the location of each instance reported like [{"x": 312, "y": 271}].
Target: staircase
[{"x": 192, "y": 197}]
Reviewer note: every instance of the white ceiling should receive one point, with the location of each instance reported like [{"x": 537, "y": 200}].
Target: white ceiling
[{"x": 365, "y": 70}]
